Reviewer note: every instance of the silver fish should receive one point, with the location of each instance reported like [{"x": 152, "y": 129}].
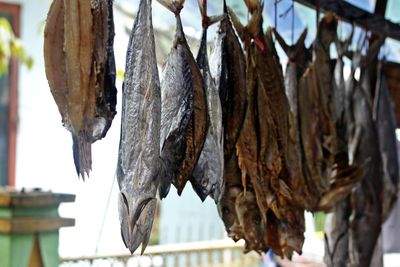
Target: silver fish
[
  {"x": 207, "y": 175},
  {"x": 366, "y": 198},
  {"x": 139, "y": 149},
  {"x": 338, "y": 78}
]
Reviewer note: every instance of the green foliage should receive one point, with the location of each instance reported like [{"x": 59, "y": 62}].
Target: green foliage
[
  {"x": 319, "y": 221},
  {"x": 11, "y": 47}
]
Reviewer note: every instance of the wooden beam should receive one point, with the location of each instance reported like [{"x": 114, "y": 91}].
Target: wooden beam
[
  {"x": 352, "y": 14},
  {"x": 380, "y": 7},
  {"x": 33, "y": 199},
  {"x": 33, "y": 225}
]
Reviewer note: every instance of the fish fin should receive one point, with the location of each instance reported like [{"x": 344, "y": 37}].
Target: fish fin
[
  {"x": 282, "y": 42},
  {"x": 300, "y": 42},
  {"x": 236, "y": 22},
  {"x": 173, "y": 6},
  {"x": 255, "y": 23},
  {"x": 214, "y": 19},
  {"x": 164, "y": 177},
  {"x": 163, "y": 189},
  {"x": 374, "y": 49},
  {"x": 145, "y": 242},
  {"x": 252, "y": 5},
  {"x": 82, "y": 153}
]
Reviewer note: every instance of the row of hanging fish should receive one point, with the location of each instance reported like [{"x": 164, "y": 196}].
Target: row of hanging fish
[
  {"x": 353, "y": 229},
  {"x": 264, "y": 145}
]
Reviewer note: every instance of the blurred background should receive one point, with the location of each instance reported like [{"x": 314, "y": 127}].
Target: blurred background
[{"x": 36, "y": 151}]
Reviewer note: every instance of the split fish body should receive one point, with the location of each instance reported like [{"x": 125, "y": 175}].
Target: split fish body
[
  {"x": 366, "y": 198},
  {"x": 106, "y": 92},
  {"x": 385, "y": 122},
  {"x": 297, "y": 54},
  {"x": 226, "y": 205},
  {"x": 228, "y": 68},
  {"x": 78, "y": 52},
  {"x": 337, "y": 235},
  {"x": 325, "y": 36},
  {"x": 249, "y": 219},
  {"x": 138, "y": 170},
  {"x": 184, "y": 121},
  {"x": 207, "y": 177}
]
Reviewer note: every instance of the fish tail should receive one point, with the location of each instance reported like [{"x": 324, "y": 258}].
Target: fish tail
[
  {"x": 82, "y": 151},
  {"x": 163, "y": 190}
]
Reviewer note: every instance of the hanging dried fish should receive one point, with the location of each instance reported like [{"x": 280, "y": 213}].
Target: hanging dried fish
[
  {"x": 79, "y": 62},
  {"x": 337, "y": 235},
  {"x": 249, "y": 219},
  {"x": 207, "y": 175},
  {"x": 138, "y": 171},
  {"x": 231, "y": 189},
  {"x": 366, "y": 199},
  {"x": 385, "y": 122},
  {"x": 261, "y": 148},
  {"x": 297, "y": 63},
  {"x": 229, "y": 71},
  {"x": 184, "y": 120},
  {"x": 337, "y": 226}
]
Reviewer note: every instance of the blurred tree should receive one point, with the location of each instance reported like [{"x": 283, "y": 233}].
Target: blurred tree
[{"x": 11, "y": 47}]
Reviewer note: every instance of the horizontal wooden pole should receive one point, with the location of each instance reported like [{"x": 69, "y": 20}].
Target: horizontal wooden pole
[
  {"x": 350, "y": 13},
  {"x": 33, "y": 199},
  {"x": 33, "y": 225}
]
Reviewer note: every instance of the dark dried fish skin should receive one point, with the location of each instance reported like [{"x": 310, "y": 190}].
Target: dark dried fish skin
[
  {"x": 337, "y": 235},
  {"x": 184, "y": 120},
  {"x": 78, "y": 40},
  {"x": 385, "y": 122},
  {"x": 138, "y": 170},
  {"x": 228, "y": 68},
  {"x": 207, "y": 177},
  {"x": 366, "y": 198},
  {"x": 106, "y": 92}
]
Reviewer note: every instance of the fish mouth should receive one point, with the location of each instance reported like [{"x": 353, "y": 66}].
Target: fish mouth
[{"x": 136, "y": 218}]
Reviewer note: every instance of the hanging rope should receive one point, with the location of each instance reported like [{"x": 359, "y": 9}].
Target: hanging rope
[
  {"x": 276, "y": 14},
  {"x": 105, "y": 214},
  {"x": 292, "y": 22}
]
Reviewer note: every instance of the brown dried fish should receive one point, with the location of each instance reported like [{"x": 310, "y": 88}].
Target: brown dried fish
[
  {"x": 226, "y": 205},
  {"x": 81, "y": 71},
  {"x": 207, "y": 175}
]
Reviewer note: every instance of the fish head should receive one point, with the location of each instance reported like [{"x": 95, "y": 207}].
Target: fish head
[
  {"x": 136, "y": 213},
  {"x": 226, "y": 205},
  {"x": 249, "y": 216}
]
